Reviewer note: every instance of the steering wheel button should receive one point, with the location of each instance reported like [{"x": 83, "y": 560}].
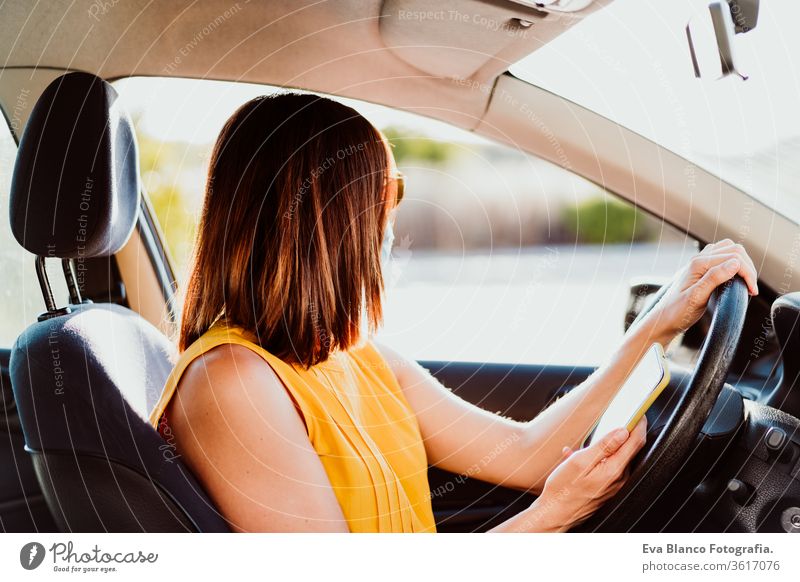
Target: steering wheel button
[
  {"x": 739, "y": 491},
  {"x": 775, "y": 439},
  {"x": 790, "y": 520}
]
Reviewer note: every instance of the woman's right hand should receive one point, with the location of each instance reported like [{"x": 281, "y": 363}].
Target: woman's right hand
[{"x": 588, "y": 478}]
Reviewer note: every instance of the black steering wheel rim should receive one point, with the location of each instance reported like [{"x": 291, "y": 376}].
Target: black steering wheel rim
[{"x": 661, "y": 459}]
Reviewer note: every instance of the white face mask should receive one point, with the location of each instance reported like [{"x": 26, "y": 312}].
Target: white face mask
[
  {"x": 386, "y": 248},
  {"x": 386, "y": 258}
]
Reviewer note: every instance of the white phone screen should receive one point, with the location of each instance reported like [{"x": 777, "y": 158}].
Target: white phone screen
[{"x": 638, "y": 387}]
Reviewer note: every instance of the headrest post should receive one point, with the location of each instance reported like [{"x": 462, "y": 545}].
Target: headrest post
[
  {"x": 72, "y": 286},
  {"x": 44, "y": 283}
]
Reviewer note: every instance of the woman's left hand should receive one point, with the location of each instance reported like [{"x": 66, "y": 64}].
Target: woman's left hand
[{"x": 687, "y": 298}]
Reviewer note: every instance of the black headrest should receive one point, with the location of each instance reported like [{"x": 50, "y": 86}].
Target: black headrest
[{"x": 75, "y": 190}]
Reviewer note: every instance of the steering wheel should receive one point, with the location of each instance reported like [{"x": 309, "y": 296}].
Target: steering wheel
[{"x": 659, "y": 461}]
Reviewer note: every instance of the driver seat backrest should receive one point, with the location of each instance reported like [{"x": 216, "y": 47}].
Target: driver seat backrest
[{"x": 85, "y": 376}]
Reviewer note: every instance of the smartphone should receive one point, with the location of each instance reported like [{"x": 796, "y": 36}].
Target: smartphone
[{"x": 638, "y": 392}]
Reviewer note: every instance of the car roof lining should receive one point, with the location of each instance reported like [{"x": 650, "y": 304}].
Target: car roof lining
[{"x": 359, "y": 49}]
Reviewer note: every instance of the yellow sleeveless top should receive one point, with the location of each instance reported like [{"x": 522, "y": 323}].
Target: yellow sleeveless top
[{"x": 358, "y": 421}]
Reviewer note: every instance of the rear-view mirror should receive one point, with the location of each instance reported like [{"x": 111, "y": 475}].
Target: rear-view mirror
[{"x": 711, "y": 34}]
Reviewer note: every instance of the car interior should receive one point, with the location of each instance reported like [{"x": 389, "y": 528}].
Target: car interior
[{"x": 76, "y": 450}]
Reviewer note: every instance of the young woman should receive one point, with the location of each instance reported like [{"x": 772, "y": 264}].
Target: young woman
[{"x": 292, "y": 419}]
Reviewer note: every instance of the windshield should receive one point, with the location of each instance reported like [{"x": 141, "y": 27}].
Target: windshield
[{"x": 630, "y": 62}]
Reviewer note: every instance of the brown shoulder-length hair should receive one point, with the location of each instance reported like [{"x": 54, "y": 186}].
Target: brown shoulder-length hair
[{"x": 289, "y": 239}]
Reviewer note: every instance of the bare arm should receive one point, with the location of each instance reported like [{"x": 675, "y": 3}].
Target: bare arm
[
  {"x": 463, "y": 438},
  {"x": 239, "y": 432}
]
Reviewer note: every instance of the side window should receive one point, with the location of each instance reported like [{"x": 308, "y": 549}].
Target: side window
[
  {"x": 498, "y": 256},
  {"x": 503, "y": 257},
  {"x": 20, "y": 299}
]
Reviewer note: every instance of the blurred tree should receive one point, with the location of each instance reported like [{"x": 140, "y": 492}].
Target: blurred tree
[
  {"x": 160, "y": 164},
  {"x": 605, "y": 220},
  {"x": 408, "y": 146},
  {"x": 177, "y": 221}
]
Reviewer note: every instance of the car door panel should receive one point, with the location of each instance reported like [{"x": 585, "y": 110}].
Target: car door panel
[{"x": 462, "y": 503}]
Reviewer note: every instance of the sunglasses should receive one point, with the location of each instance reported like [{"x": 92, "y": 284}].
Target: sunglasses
[{"x": 400, "y": 179}]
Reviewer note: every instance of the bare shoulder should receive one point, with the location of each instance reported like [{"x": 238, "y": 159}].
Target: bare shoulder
[
  {"x": 239, "y": 432},
  {"x": 388, "y": 353},
  {"x": 404, "y": 369},
  {"x": 224, "y": 379},
  {"x": 228, "y": 360},
  {"x": 392, "y": 357}
]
